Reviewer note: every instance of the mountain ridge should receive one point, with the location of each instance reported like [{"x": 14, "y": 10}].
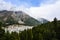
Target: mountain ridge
[
  {"x": 17, "y": 16},
  {"x": 42, "y": 20}
]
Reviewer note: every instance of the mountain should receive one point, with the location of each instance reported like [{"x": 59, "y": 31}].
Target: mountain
[
  {"x": 20, "y": 17},
  {"x": 42, "y": 20}
]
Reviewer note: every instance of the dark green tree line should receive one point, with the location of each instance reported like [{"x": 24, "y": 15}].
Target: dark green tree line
[{"x": 48, "y": 31}]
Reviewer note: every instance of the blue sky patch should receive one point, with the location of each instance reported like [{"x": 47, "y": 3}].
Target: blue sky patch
[{"x": 29, "y": 2}]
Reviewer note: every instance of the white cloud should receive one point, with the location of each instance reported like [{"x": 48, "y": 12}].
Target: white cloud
[
  {"x": 9, "y": 6},
  {"x": 5, "y": 5},
  {"x": 47, "y": 11}
]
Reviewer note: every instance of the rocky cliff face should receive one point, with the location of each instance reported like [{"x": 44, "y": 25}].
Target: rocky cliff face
[{"x": 18, "y": 16}]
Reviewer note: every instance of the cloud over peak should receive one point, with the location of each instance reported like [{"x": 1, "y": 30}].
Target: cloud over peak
[{"x": 47, "y": 9}]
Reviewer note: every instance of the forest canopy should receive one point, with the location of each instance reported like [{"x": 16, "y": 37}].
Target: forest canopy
[{"x": 46, "y": 31}]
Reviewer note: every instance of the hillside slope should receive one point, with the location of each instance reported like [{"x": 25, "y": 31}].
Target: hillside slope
[{"x": 17, "y": 17}]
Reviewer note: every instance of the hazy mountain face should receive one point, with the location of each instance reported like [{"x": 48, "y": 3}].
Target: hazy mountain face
[
  {"x": 42, "y": 20},
  {"x": 17, "y": 16}
]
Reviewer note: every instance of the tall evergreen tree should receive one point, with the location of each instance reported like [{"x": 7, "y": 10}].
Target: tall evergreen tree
[
  {"x": 2, "y": 32},
  {"x": 55, "y": 22}
]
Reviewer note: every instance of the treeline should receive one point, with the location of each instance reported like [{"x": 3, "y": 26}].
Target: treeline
[{"x": 47, "y": 31}]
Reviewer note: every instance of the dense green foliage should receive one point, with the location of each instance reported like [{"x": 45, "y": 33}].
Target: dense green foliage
[{"x": 47, "y": 31}]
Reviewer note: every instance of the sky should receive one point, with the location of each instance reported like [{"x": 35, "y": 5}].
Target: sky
[{"x": 48, "y": 9}]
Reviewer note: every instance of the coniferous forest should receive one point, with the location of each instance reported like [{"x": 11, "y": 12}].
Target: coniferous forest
[{"x": 46, "y": 31}]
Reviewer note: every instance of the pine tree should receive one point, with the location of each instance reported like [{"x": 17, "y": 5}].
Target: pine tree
[
  {"x": 55, "y": 22},
  {"x": 2, "y": 32}
]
